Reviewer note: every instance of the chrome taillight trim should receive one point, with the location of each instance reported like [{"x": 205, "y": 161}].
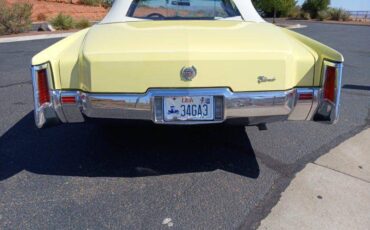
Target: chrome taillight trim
[
  {"x": 44, "y": 114},
  {"x": 328, "y": 111}
]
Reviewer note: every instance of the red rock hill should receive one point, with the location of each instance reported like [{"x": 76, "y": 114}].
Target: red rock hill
[{"x": 50, "y": 8}]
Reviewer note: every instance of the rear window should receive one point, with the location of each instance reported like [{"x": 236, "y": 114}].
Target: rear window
[{"x": 183, "y": 9}]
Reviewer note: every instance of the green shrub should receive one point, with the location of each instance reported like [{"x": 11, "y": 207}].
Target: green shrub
[
  {"x": 271, "y": 7},
  {"x": 107, "y": 3},
  {"x": 315, "y": 6},
  {"x": 339, "y": 14},
  {"x": 295, "y": 13},
  {"x": 66, "y": 22},
  {"x": 345, "y": 16},
  {"x": 104, "y": 3},
  {"x": 298, "y": 13},
  {"x": 62, "y": 22},
  {"x": 15, "y": 18},
  {"x": 305, "y": 15},
  {"x": 91, "y": 2},
  {"x": 323, "y": 15},
  {"x": 82, "y": 24}
]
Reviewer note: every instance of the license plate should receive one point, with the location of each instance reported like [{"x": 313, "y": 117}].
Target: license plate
[{"x": 197, "y": 108}]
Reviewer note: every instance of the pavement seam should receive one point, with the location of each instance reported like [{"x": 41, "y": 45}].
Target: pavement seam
[
  {"x": 356, "y": 93},
  {"x": 15, "y": 84},
  {"x": 335, "y": 170},
  {"x": 284, "y": 170},
  {"x": 263, "y": 209}
]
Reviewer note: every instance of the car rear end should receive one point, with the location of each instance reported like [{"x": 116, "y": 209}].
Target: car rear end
[
  {"x": 187, "y": 72},
  {"x": 187, "y": 106}
]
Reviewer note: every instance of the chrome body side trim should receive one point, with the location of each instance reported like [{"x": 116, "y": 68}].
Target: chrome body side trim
[
  {"x": 56, "y": 95},
  {"x": 250, "y": 107},
  {"x": 302, "y": 107},
  {"x": 72, "y": 111},
  {"x": 257, "y": 104},
  {"x": 315, "y": 103},
  {"x": 141, "y": 106},
  {"x": 117, "y": 106}
]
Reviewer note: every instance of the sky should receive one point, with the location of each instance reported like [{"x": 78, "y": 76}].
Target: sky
[{"x": 349, "y": 4}]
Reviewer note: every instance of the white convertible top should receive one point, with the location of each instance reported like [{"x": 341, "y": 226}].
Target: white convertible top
[{"x": 120, "y": 8}]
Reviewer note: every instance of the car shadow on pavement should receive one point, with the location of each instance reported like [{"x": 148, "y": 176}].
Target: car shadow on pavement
[{"x": 138, "y": 150}]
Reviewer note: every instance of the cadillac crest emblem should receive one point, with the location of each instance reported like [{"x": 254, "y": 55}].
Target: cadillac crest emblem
[{"x": 188, "y": 73}]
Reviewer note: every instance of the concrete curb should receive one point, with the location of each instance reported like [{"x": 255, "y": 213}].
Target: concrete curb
[
  {"x": 290, "y": 26},
  {"x": 331, "y": 193},
  {"x": 33, "y": 37},
  {"x": 333, "y": 23},
  {"x": 290, "y": 21}
]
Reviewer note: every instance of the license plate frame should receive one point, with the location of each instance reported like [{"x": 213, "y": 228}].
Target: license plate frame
[{"x": 197, "y": 108}]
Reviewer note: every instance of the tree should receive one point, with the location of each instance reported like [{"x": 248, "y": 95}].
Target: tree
[
  {"x": 315, "y": 6},
  {"x": 275, "y": 7}
]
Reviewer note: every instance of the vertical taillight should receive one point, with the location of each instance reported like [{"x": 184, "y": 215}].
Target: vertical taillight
[
  {"x": 43, "y": 87},
  {"x": 330, "y": 84}
]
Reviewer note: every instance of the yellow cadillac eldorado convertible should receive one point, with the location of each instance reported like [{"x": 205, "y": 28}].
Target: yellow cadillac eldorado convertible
[{"x": 186, "y": 62}]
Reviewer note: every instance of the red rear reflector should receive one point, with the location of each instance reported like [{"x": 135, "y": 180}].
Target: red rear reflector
[
  {"x": 42, "y": 83},
  {"x": 69, "y": 100},
  {"x": 329, "y": 85},
  {"x": 305, "y": 96}
]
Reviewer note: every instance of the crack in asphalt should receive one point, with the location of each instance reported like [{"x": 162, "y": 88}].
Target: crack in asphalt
[
  {"x": 16, "y": 84},
  {"x": 356, "y": 93}
]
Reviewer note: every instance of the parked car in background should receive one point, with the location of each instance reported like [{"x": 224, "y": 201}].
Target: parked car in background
[{"x": 186, "y": 62}]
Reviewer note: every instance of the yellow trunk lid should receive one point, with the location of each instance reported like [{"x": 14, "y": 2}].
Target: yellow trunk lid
[{"x": 134, "y": 56}]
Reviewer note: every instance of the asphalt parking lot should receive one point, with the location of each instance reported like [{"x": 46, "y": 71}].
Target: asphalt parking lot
[{"x": 89, "y": 176}]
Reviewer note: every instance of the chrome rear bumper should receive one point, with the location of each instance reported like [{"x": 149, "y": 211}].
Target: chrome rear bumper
[{"x": 250, "y": 107}]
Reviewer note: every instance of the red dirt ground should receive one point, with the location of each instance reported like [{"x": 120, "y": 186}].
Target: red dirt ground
[{"x": 50, "y": 8}]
